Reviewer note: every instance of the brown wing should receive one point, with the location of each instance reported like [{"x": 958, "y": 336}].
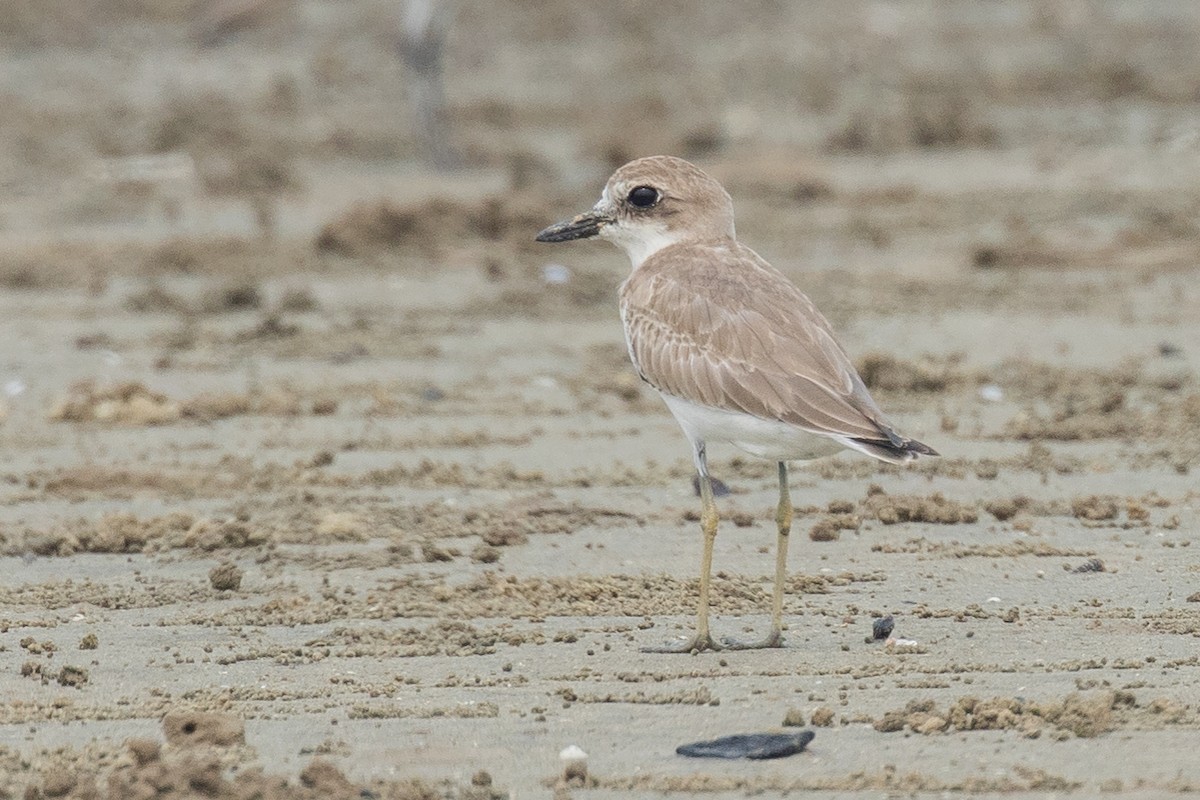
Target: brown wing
[{"x": 716, "y": 325}]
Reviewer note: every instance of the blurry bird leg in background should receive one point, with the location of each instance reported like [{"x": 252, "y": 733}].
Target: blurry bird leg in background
[{"x": 421, "y": 45}]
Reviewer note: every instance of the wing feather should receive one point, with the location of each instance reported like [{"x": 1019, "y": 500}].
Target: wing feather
[{"x": 715, "y": 324}]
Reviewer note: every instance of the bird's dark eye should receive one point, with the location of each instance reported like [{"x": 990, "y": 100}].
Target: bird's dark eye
[{"x": 643, "y": 196}]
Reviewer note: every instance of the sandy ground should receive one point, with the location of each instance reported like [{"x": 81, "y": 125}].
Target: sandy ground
[{"x": 307, "y": 453}]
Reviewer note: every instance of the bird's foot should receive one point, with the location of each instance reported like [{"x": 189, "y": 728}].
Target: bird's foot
[
  {"x": 697, "y": 644},
  {"x": 773, "y": 639}
]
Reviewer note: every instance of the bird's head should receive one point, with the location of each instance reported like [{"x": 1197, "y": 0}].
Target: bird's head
[{"x": 649, "y": 204}]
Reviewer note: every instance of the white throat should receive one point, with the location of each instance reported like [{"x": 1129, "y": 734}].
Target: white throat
[{"x": 640, "y": 243}]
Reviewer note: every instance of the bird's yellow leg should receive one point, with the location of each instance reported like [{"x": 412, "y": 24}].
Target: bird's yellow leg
[
  {"x": 702, "y": 639},
  {"x": 783, "y": 519}
]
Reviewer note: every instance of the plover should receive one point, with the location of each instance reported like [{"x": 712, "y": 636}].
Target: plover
[{"x": 740, "y": 355}]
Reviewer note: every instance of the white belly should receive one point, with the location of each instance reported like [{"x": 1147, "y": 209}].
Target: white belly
[{"x": 762, "y": 438}]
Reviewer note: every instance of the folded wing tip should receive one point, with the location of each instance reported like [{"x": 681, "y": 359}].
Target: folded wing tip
[{"x": 892, "y": 452}]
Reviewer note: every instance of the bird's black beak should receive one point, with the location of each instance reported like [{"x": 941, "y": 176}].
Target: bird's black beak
[{"x": 584, "y": 226}]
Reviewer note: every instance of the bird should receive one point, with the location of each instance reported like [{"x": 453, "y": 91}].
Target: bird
[{"x": 738, "y": 352}]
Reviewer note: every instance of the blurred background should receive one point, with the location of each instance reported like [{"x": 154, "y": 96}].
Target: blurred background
[{"x": 1002, "y": 133}]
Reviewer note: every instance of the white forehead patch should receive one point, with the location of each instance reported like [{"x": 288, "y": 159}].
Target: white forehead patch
[{"x": 604, "y": 200}]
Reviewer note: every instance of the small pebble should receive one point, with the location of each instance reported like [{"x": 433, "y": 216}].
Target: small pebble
[
  {"x": 555, "y": 274},
  {"x": 991, "y": 393},
  {"x": 902, "y": 644}
]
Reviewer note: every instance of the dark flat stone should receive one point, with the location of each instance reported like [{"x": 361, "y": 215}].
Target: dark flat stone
[{"x": 749, "y": 745}]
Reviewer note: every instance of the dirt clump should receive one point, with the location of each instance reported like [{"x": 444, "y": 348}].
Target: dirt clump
[
  {"x": 1077, "y": 714},
  {"x": 1005, "y": 508},
  {"x": 926, "y": 375},
  {"x": 431, "y": 227},
  {"x": 209, "y": 534},
  {"x": 830, "y": 527},
  {"x": 206, "y": 756},
  {"x": 72, "y": 676},
  {"x": 115, "y": 532},
  {"x": 327, "y": 780},
  {"x": 822, "y": 717},
  {"x": 1096, "y": 508},
  {"x": 193, "y": 727},
  {"x": 794, "y": 718},
  {"x": 893, "y": 509},
  {"x": 279, "y": 401},
  {"x": 225, "y": 577},
  {"x": 155, "y": 299},
  {"x": 130, "y": 403},
  {"x": 241, "y": 295}
]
